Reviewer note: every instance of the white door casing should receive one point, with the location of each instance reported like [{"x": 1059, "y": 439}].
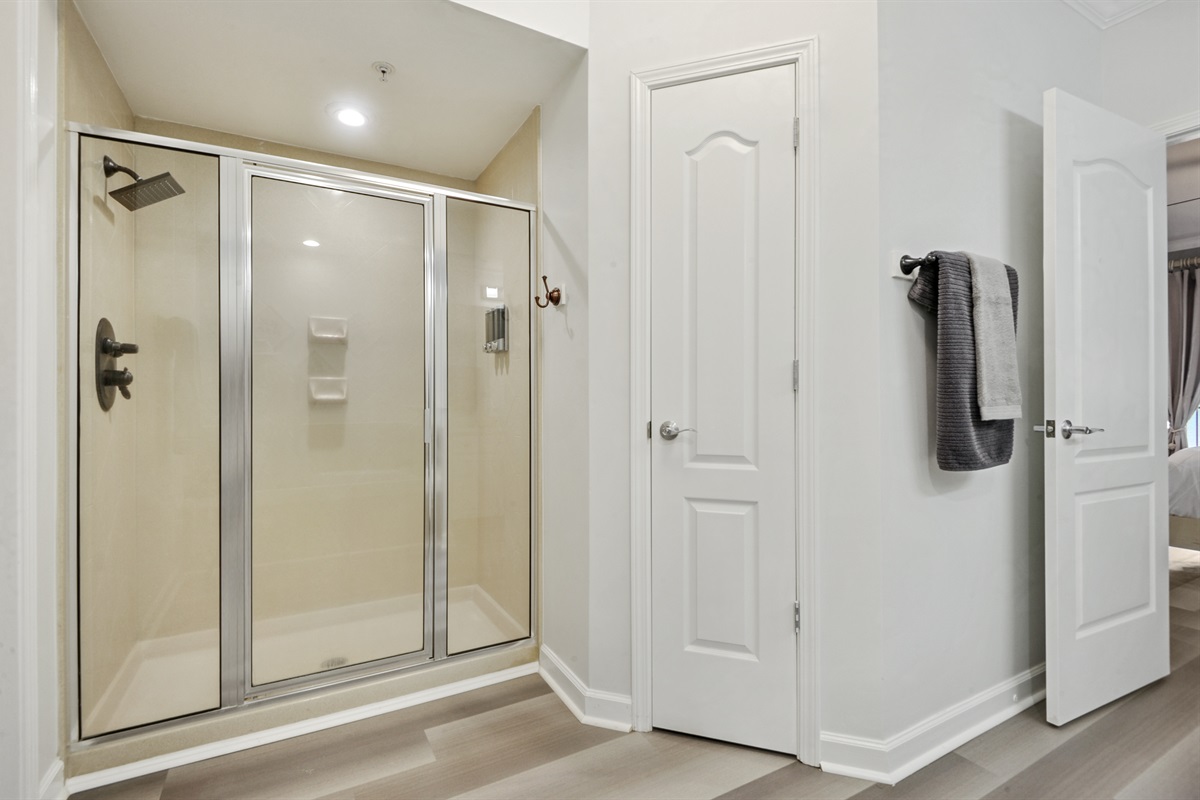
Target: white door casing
[
  {"x": 1107, "y": 621},
  {"x": 803, "y": 55},
  {"x": 722, "y": 347}
]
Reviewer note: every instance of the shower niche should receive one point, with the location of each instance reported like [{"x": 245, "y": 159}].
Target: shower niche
[{"x": 309, "y": 471}]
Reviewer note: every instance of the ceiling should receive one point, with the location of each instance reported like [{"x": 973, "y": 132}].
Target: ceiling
[{"x": 465, "y": 81}]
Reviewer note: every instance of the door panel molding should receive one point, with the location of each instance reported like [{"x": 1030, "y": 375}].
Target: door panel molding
[{"x": 803, "y": 55}]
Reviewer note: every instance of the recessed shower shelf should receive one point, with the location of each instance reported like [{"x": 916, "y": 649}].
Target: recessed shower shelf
[
  {"x": 334, "y": 330},
  {"x": 327, "y": 390}
]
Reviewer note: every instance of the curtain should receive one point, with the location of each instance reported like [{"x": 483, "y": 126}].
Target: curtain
[{"x": 1183, "y": 348}]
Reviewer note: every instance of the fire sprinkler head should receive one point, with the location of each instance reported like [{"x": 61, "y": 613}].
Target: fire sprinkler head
[{"x": 384, "y": 69}]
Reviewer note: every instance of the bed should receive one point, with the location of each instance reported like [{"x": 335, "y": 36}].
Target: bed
[{"x": 1183, "y": 479}]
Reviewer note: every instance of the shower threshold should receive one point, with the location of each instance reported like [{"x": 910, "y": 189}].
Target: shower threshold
[{"x": 175, "y": 668}]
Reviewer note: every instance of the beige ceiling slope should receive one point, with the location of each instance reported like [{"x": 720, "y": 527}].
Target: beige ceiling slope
[{"x": 465, "y": 81}]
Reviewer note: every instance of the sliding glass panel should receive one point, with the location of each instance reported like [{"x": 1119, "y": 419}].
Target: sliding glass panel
[
  {"x": 338, "y": 455},
  {"x": 488, "y": 425},
  {"x": 149, "y": 445}
]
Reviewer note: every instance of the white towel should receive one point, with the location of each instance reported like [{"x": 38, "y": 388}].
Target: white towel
[{"x": 997, "y": 379}]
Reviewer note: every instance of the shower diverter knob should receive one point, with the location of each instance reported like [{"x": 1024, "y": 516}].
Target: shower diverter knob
[
  {"x": 116, "y": 349},
  {"x": 120, "y": 378}
]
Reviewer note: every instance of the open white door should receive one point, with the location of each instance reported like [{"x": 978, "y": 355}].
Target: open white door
[{"x": 1105, "y": 348}]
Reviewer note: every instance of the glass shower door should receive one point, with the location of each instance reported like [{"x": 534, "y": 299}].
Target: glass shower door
[
  {"x": 304, "y": 432},
  {"x": 339, "y": 558},
  {"x": 488, "y": 440},
  {"x": 149, "y": 442}
]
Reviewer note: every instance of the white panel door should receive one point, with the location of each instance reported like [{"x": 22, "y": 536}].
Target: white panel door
[
  {"x": 1105, "y": 350},
  {"x": 722, "y": 332}
]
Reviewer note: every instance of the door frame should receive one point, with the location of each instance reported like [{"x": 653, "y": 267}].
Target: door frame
[
  {"x": 29, "y": 417},
  {"x": 802, "y": 54}
]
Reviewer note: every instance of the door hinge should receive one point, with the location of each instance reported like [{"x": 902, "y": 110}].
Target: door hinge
[
  {"x": 796, "y": 133},
  {"x": 796, "y": 376},
  {"x": 796, "y": 615},
  {"x": 649, "y": 427}
]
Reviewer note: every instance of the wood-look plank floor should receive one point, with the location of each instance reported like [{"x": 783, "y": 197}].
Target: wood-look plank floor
[{"x": 516, "y": 740}]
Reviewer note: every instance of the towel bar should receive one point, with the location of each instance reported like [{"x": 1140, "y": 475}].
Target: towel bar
[{"x": 909, "y": 263}]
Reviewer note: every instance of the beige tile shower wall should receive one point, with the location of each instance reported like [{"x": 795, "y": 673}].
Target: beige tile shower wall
[
  {"x": 89, "y": 91},
  {"x": 502, "y": 248},
  {"x": 191, "y": 133},
  {"x": 338, "y": 488},
  {"x": 515, "y": 172},
  {"x": 109, "y": 605},
  {"x": 177, "y": 384}
]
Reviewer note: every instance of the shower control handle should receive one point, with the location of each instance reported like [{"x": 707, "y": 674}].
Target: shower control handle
[
  {"x": 120, "y": 378},
  {"x": 111, "y": 347}
]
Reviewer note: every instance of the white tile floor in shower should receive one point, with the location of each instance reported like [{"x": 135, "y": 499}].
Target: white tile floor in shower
[{"x": 172, "y": 676}]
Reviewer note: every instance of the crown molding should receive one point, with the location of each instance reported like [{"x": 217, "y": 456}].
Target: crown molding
[{"x": 1102, "y": 14}]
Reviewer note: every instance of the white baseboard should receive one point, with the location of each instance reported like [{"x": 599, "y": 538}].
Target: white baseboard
[
  {"x": 891, "y": 760},
  {"x": 590, "y": 706},
  {"x": 191, "y": 755},
  {"x": 563, "y": 681},
  {"x": 54, "y": 785}
]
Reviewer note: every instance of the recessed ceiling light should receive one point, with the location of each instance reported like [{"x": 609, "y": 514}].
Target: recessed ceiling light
[
  {"x": 311, "y": 243},
  {"x": 347, "y": 115},
  {"x": 352, "y": 117}
]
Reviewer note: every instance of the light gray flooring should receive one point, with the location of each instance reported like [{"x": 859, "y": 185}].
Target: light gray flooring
[{"x": 516, "y": 740}]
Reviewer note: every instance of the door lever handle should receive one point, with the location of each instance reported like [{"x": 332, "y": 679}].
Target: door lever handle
[
  {"x": 669, "y": 430},
  {"x": 1068, "y": 429}
]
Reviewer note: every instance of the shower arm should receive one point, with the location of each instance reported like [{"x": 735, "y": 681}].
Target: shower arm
[{"x": 112, "y": 168}]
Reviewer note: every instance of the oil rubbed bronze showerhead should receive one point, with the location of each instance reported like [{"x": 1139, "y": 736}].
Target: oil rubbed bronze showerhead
[{"x": 143, "y": 191}]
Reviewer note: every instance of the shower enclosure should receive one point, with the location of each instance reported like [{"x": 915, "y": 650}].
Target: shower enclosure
[{"x": 303, "y": 451}]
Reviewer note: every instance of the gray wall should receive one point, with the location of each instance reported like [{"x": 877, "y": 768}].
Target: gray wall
[{"x": 961, "y": 169}]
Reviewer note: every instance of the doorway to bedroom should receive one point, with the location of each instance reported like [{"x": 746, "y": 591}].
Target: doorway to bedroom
[{"x": 1183, "y": 332}]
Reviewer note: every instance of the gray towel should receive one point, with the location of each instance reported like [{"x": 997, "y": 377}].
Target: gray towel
[
  {"x": 996, "y": 375},
  {"x": 965, "y": 441}
]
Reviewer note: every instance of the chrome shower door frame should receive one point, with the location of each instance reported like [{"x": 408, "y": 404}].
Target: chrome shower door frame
[
  {"x": 239, "y": 330},
  {"x": 236, "y": 168}
]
